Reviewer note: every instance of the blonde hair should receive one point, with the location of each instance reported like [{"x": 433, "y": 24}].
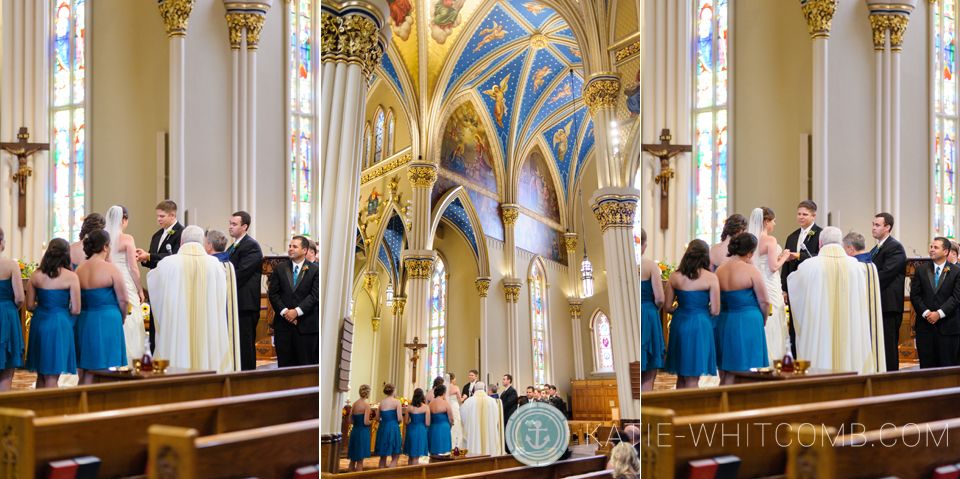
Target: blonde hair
[
  {"x": 365, "y": 391},
  {"x": 624, "y": 459}
]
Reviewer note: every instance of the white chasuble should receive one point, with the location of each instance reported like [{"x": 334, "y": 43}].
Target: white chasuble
[
  {"x": 483, "y": 425},
  {"x": 835, "y": 303},
  {"x": 188, "y": 294}
]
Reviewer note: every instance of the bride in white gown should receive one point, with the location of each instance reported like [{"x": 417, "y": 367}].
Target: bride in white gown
[
  {"x": 762, "y": 221},
  {"x": 123, "y": 255}
]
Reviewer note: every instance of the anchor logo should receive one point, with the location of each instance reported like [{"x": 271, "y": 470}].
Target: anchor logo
[{"x": 537, "y": 444}]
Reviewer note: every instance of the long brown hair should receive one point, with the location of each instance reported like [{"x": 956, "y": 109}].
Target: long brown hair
[{"x": 696, "y": 257}]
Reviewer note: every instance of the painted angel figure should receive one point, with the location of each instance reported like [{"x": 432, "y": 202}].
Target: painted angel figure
[
  {"x": 496, "y": 32},
  {"x": 564, "y": 92},
  {"x": 534, "y": 7},
  {"x": 500, "y": 105},
  {"x": 539, "y": 75},
  {"x": 560, "y": 136}
]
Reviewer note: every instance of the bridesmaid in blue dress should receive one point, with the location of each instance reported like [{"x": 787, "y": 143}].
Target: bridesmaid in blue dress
[
  {"x": 93, "y": 221},
  {"x": 651, "y": 330},
  {"x": 741, "y": 341},
  {"x": 441, "y": 418},
  {"x": 359, "y": 448},
  {"x": 53, "y": 295},
  {"x": 103, "y": 296},
  {"x": 692, "y": 350},
  {"x": 11, "y": 336},
  {"x": 417, "y": 418},
  {"x": 389, "y": 440}
]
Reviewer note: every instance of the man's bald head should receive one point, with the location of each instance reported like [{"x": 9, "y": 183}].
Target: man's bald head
[
  {"x": 632, "y": 432},
  {"x": 192, "y": 234},
  {"x": 480, "y": 387}
]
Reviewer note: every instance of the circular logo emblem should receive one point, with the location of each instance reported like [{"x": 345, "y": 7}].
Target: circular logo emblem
[{"x": 537, "y": 434}]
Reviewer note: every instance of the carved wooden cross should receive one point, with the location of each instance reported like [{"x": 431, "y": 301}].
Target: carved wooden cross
[
  {"x": 664, "y": 150},
  {"x": 23, "y": 149},
  {"x": 415, "y": 346}
]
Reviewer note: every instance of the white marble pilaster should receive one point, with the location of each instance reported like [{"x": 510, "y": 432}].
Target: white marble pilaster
[
  {"x": 175, "y": 14},
  {"x": 819, "y": 14},
  {"x": 576, "y": 309},
  {"x": 483, "y": 287}
]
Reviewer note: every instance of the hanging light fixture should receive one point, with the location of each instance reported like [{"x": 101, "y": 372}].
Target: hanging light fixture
[
  {"x": 390, "y": 294},
  {"x": 586, "y": 269}
]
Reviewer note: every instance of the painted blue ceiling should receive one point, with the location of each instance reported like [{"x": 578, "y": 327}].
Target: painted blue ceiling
[
  {"x": 511, "y": 72},
  {"x": 535, "y": 13},
  {"x": 586, "y": 144},
  {"x": 393, "y": 237},
  {"x": 385, "y": 258},
  {"x": 561, "y": 96},
  {"x": 391, "y": 71},
  {"x": 565, "y": 33},
  {"x": 545, "y": 69},
  {"x": 462, "y": 67},
  {"x": 573, "y": 124},
  {"x": 456, "y": 214}
]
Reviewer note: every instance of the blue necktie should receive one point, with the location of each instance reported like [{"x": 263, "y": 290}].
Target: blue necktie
[
  {"x": 296, "y": 272},
  {"x": 875, "y": 250},
  {"x": 233, "y": 247},
  {"x": 936, "y": 277}
]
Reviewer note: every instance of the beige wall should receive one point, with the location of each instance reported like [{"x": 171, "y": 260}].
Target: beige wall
[
  {"x": 463, "y": 304},
  {"x": 597, "y": 256}
]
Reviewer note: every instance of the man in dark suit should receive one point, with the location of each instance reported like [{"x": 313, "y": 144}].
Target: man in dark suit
[
  {"x": 164, "y": 243},
  {"x": 555, "y": 399},
  {"x": 891, "y": 261},
  {"x": 526, "y": 399},
  {"x": 509, "y": 399},
  {"x": 294, "y": 293},
  {"x": 247, "y": 260},
  {"x": 935, "y": 294},
  {"x": 803, "y": 243},
  {"x": 467, "y": 390}
]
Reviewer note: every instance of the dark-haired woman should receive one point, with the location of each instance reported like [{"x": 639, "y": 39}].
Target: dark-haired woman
[
  {"x": 388, "y": 433},
  {"x": 53, "y": 295},
  {"x": 91, "y": 223},
  {"x": 124, "y": 254},
  {"x": 99, "y": 332},
  {"x": 692, "y": 350},
  {"x": 441, "y": 417},
  {"x": 359, "y": 448},
  {"x": 11, "y": 336},
  {"x": 430, "y": 394},
  {"x": 733, "y": 226},
  {"x": 651, "y": 330},
  {"x": 741, "y": 342},
  {"x": 417, "y": 417}
]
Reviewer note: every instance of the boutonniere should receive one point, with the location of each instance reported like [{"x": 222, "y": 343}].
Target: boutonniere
[
  {"x": 810, "y": 233},
  {"x": 305, "y": 267},
  {"x": 946, "y": 269},
  {"x": 170, "y": 232}
]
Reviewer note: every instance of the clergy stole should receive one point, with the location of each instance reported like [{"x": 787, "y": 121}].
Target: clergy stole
[
  {"x": 231, "y": 362},
  {"x": 838, "y": 279},
  {"x": 875, "y": 315}
]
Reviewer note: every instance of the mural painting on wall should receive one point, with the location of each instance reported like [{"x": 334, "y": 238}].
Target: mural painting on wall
[
  {"x": 541, "y": 239},
  {"x": 498, "y": 94},
  {"x": 489, "y": 212},
  {"x": 537, "y": 191},
  {"x": 465, "y": 149},
  {"x": 446, "y": 17},
  {"x": 442, "y": 186},
  {"x": 400, "y": 18},
  {"x": 373, "y": 202},
  {"x": 632, "y": 92}
]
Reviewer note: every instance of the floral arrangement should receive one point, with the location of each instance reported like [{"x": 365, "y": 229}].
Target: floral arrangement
[
  {"x": 346, "y": 410},
  {"x": 27, "y": 268},
  {"x": 666, "y": 269},
  {"x": 404, "y": 402}
]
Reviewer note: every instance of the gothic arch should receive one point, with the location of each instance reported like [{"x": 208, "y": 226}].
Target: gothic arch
[
  {"x": 595, "y": 339},
  {"x": 496, "y": 154},
  {"x": 448, "y": 198},
  {"x": 537, "y": 263}
]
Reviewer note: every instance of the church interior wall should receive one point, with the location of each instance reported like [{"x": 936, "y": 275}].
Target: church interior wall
[
  {"x": 362, "y": 363},
  {"x": 463, "y": 303},
  {"x": 382, "y": 96},
  {"x": 496, "y": 316}
]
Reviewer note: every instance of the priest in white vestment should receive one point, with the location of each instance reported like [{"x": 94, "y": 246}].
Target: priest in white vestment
[
  {"x": 835, "y": 301},
  {"x": 482, "y": 418},
  {"x": 189, "y": 297}
]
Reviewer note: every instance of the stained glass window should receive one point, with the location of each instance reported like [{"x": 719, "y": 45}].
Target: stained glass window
[
  {"x": 68, "y": 119},
  {"x": 378, "y": 120},
  {"x": 302, "y": 116},
  {"x": 367, "y": 135},
  {"x": 710, "y": 118},
  {"x": 391, "y": 123},
  {"x": 945, "y": 132},
  {"x": 438, "y": 321},
  {"x": 538, "y": 319},
  {"x": 602, "y": 342}
]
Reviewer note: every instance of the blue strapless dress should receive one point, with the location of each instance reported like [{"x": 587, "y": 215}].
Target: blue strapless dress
[
  {"x": 359, "y": 439},
  {"x": 692, "y": 350},
  {"x": 52, "y": 349},
  {"x": 99, "y": 331},
  {"x": 11, "y": 336},
  {"x": 651, "y": 330},
  {"x": 415, "y": 445},
  {"x": 389, "y": 440},
  {"x": 741, "y": 342},
  {"x": 439, "y": 434}
]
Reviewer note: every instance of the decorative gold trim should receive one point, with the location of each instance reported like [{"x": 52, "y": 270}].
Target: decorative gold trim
[
  {"x": 538, "y": 42},
  {"x": 615, "y": 212},
  {"x": 175, "y": 15},
  {"x": 483, "y": 285},
  {"x": 422, "y": 175},
  {"x": 510, "y": 214},
  {"x": 351, "y": 39},
  {"x": 571, "y": 240},
  {"x": 601, "y": 92},
  {"x": 629, "y": 51},
  {"x": 512, "y": 292},
  {"x": 819, "y": 14},
  {"x": 375, "y": 322},
  {"x": 254, "y": 27},
  {"x": 235, "y": 23},
  {"x": 398, "y": 304},
  {"x": 576, "y": 309},
  {"x": 896, "y": 23},
  {"x": 419, "y": 268},
  {"x": 368, "y": 279},
  {"x": 898, "y": 28},
  {"x": 397, "y": 163}
]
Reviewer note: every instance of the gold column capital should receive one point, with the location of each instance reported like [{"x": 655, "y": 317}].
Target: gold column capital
[
  {"x": 422, "y": 175},
  {"x": 419, "y": 267},
  {"x": 615, "y": 211},
  {"x": 601, "y": 91},
  {"x": 483, "y": 285},
  {"x": 352, "y": 38},
  {"x": 571, "y": 240},
  {"x": 512, "y": 292},
  {"x": 511, "y": 213},
  {"x": 896, "y": 22},
  {"x": 254, "y": 26},
  {"x": 398, "y": 304},
  {"x": 819, "y": 14},
  {"x": 175, "y": 14},
  {"x": 375, "y": 322},
  {"x": 575, "y": 309},
  {"x": 369, "y": 278}
]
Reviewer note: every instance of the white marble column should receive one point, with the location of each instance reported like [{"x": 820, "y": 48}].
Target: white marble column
[
  {"x": 397, "y": 337},
  {"x": 575, "y": 302},
  {"x": 576, "y": 309},
  {"x": 175, "y": 14},
  {"x": 819, "y": 14},
  {"x": 358, "y": 41},
  {"x": 483, "y": 287},
  {"x": 511, "y": 288}
]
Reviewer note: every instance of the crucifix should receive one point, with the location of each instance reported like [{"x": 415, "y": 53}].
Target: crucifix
[
  {"x": 415, "y": 346},
  {"x": 23, "y": 149},
  {"x": 664, "y": 150}
]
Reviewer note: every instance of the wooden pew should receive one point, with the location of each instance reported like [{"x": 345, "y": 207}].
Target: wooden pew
[
  {"x": 119, "y": 438},
  {"x": 742, "y": 397},
  {"x": 273, "y": 451},
  {"x": 126, "y": 394},
  {"x": 910, "y": 452},
  {"x": 437, "y": 470},
  {"x": 568, "y": 468},
  {"x": 669, "y": 441}
]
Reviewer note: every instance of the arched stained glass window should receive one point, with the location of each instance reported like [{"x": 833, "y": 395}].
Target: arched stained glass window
[
  {"x": 302, "y": 114},
  {"x": 68, "y": 118},
  {"x": 538, "y": 318},
  {"x": 710, "y": 117},
  {"x": 945, "y": 98},
  {"x": 378, "y": 120},
  {"x": 367, "y": 140},
  {"x": 438, "y": 320},
  {"x": 602, "y": 342},
  {"x": 391, "y": 123}
]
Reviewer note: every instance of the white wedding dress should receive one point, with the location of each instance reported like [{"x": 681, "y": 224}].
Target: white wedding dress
[
  {"x": 456, "y": 431},
  {"x": 134, "y": 333},
  {"x": 776, "y": 329}
]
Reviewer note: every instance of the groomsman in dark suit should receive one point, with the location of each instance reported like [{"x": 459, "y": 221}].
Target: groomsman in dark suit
[
  {"x": 294, "y": 293},
  {"x": 891, "y": 261},
  {"x": 803, "y": 243},
  {"x": 164, "y": 243},
  {"x": 935, "y": 294},
  {"x": 247, "y": 259},
  {"x": 509, "y": 399}
]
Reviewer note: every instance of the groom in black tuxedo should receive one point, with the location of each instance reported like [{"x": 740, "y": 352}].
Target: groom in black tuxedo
[
  {"x": 164, "y": 243},
  {"x": 803, "y": 243},
  {"x": 891, "y": 261}
]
